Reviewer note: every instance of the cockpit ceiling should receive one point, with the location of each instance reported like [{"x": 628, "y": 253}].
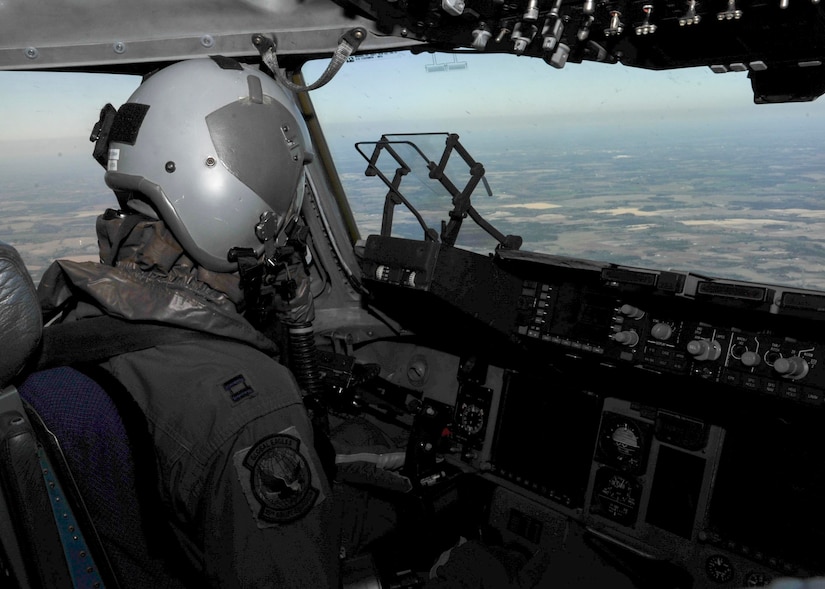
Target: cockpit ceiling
[
  {"x": 118, "y": 36},
  {"x": 780, "y": 43}
]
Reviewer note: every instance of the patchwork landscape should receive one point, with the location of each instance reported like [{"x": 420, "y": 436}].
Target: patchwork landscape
[{"x": 713, "y": 203}]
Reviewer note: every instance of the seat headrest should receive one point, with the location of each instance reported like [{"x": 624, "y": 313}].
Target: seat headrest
[{"x": 21, "y": 323}]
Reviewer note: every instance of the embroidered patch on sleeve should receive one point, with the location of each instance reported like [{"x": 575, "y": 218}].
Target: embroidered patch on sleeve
[{"x": 278, "y": 478}]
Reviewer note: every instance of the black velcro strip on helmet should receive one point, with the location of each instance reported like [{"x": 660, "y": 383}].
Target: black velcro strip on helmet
[
  {"x": 100, "y": 134},
  {"x": 127, "y": 122},
  {"x": 226, "y": 63}
]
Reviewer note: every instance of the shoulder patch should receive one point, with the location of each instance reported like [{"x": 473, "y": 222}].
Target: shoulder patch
[{"x": 278, "y": 478}]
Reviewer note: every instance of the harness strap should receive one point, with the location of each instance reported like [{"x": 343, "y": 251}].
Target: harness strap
[
  {"x": 80, "y": 559},
  {"x": 100, "y": 338}
]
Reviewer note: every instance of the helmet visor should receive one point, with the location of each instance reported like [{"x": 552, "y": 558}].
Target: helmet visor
[{"x": 260, "y": 144}]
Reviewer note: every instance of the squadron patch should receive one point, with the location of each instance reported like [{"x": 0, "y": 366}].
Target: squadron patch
[{"x": 277, "y": 477}]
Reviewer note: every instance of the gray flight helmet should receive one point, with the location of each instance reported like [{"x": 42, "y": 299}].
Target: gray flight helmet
[{"x": 211, "y": 145}]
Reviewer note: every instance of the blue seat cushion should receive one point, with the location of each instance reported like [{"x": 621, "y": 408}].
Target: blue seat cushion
[{"x": 107, "y": 448}]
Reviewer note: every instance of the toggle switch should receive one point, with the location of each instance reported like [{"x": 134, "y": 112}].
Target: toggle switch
[
  {"x": 690, "y": 18},
  {"x": 646, "y": 28},
  {"x": 616, "y": 25},
  {"x": 732, "y": 13}
]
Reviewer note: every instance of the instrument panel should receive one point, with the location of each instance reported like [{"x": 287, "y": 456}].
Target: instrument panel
[
  {"x": 674, "y": 416},
  {"x": 760, "y": 340},
  {"x": 735, "y": 345}
]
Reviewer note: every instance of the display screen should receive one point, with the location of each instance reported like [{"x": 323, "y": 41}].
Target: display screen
[
  {"x": 545, "y": 436},
  {"x": 768, "y": 494},
  {"x": 674, "y": 498},
  {"x": 581, "y": 314}
]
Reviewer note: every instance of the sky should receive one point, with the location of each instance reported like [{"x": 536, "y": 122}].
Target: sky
[
  {"x": 48, "y": 116},
  {"x": 492, "y": 86},
  {"x": 55, "y": 111}
]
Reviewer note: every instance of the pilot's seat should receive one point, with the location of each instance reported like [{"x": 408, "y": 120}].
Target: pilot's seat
[{"x": 68, "y": 421}]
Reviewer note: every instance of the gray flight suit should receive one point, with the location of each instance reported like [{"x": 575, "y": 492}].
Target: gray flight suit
[{"x": 238, "y": 473}]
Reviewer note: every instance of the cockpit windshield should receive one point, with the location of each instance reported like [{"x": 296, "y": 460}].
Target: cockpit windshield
[
  {"x": 664, "y": 170},
  {"x": 51, "y": 189}
]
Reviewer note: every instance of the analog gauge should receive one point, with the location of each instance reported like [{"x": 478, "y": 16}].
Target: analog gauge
[
  {"x": 719, "y": 568},
  {"x": 616, "y": 496},
  {"x": 471, "y": 418},
  {"x": 471, "y": 411},
  {"x": 756, "y": 579},
  {"x": 622, "y": 443}
]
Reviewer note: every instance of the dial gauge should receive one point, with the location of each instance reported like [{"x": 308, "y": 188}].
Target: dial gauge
[
  {"x": 623, "y": 444},
  {"x": 719, "y": 568},
  {"x": 472, "y": 410},
  {"x": 616, "y": 496},
  {"x": 471, "y": 418}
]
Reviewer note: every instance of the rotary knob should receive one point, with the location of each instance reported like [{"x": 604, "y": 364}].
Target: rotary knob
[
  {"x": 661, "y": 331},
  {"x": 626, "y": 338},
  {"x": 631, "y": 311},
  {"x": 750, "y": 359},
  {"x": 793, "y": 367},
  {"x": 703, "y": 349}
]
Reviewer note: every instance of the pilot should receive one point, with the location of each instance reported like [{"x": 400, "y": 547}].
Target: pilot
[{"x": 207, "y": 160}]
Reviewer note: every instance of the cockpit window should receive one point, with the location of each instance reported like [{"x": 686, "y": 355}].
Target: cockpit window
[
  {"x": 665, "y": 170},
  {"x": 51, "y": 188}
]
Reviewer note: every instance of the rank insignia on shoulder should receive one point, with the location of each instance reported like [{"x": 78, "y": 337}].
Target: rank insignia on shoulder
[
  {"x": 238, "y": 389},
  {"x": 278, "y": 478}
]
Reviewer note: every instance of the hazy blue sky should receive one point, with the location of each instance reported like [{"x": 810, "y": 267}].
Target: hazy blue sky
[
  {"x": 60, "y": 107},
  {"x": 494, "y": 86},
  {"x": 49, "y": 113}
]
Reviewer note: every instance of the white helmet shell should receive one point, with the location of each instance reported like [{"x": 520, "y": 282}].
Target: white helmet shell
[{"x": 213, "y": 145}]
